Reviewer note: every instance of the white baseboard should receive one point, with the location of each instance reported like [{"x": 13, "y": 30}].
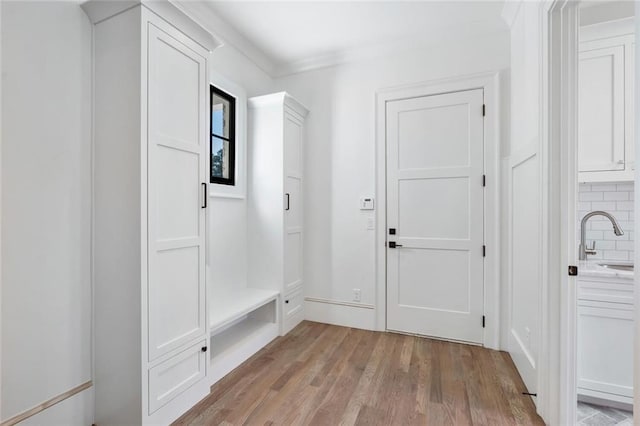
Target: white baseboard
[
  {"x": 76, "y": 410},
  {"x": 346, "y": 314},
  {"x": 525, "y": 363}
]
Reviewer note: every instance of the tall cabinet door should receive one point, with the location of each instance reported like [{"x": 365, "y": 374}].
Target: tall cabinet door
[
  {"x": 601, "y": 111},
  {"x": 177, "y": 96},
  {"x": 293, "y": 137}
]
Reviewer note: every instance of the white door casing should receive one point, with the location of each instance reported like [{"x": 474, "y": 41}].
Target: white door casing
[
  {"x": 435, "y": 167},
  {"x": 177, "y": 169}
]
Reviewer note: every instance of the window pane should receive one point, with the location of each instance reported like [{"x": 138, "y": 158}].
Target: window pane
[
  {"x": 220, "y": 120},
  {"x": 219, "y": 158}
]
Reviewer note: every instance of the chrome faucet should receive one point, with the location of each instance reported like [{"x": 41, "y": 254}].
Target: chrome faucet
[{"x": 583, "y": 250}]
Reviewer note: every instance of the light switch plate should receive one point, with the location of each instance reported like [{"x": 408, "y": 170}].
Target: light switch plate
[
  {"x": 366, "y": 203},
  {"x": 371, "y": 223}
]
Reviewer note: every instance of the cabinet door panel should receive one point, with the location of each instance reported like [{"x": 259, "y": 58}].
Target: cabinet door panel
[
  {"x": 293, "y": 148},
  {"x": 601, "y": 109},
  {"x": 176, "y": 168},
  {"x": 605, "y": 349},
  {"x": 292, "y": 310},
  {"x": 293, "y": 210},
  {"x": 293, "y": 135},
  {"x": 173, "y": 376},
  {"x": 293, "y": 260}
]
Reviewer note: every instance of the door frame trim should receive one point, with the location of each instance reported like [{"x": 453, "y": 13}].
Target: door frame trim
[{"x": 490, "y": 82}]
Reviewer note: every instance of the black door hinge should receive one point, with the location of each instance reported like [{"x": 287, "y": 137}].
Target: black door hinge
[
  {"x": 484, "y": 180},
  {"x": 484, "y": 110},
  {"x": 483, "y": 321},
  {"x": 573, "y": 270},
  {"x": 484, "y": 251}
]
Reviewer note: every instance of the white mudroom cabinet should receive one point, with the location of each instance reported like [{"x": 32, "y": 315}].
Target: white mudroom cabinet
[
  {"x": 606, "y": 102},
  {"x": 605, "y": 338},
  {"x": 275, "y": 199},
  {"x": 151, "y": 96}
]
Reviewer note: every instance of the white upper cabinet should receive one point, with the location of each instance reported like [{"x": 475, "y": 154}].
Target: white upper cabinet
[{"x": 605, "y": 103}]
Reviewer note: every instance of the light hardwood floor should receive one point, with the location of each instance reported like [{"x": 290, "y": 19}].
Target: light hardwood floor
[{"x": 328, "y": 375}]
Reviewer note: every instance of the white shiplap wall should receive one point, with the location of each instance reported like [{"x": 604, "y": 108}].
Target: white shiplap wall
[{"x": 614, "y": 198}]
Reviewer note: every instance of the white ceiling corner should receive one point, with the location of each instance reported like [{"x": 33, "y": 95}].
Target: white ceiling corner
[
  {"x": 510, "y": 11},
  {"x": 203, "y": 14},
  {"x": 286, "y": 37}
]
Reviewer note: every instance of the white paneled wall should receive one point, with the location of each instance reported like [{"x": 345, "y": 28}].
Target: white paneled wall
[
  {"x": 614, "y": 198},
  {"x": 523, "y": 279}
]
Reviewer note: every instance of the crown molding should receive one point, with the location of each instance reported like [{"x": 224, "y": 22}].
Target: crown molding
[
  {"x": 202, "y": 13},
  {"x": 377, "y": 51},
  {"x": 510, "y": 11},
  {"x": 100, "y": 10}
]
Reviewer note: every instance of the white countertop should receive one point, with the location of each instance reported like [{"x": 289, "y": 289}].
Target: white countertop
[{"x": 590, "y": 268}]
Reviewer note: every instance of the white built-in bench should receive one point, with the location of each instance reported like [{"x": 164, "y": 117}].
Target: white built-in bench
[{"x": 242, "y": 321}]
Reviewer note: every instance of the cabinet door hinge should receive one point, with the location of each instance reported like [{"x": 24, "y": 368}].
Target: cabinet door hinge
[
  {"x": 484, "y": 180},
  {"x": 483, "y": 321},
  {"x": 484, "y": 251},
  {"x": 484, "y": 110}
]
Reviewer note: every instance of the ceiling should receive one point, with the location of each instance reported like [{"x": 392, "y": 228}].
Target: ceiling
[{"x": 283, "y": 37}]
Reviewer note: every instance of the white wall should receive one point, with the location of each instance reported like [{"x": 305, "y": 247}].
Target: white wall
[
  {"x": 340, "y": 163},
  {"x": 227, "y": 251},
  {"x": 522, "y": 281},
  {"x": 46, "y": 177}
]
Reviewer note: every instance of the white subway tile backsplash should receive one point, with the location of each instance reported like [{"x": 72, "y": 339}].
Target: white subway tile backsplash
[
  {"x": 608, "y": 245},
  {"x": 611, "y": 236},
  {"x": 607, "y": 206},
  {"x": 602, "y": 225},
  {"x": 627, "y": 226},
  {"x": 622, "y": 216},
  {"x": 594, "y": 235},
  {"x": 614, "y": 198},
  {"x": 590, "y": 196},
  {"x": 624, "y": 245},
  {"x": 628, "y": 186},
  {"x": 584, "y": 206},
  {"x": 615, "y": 255},
  {"x": 625, "y": 205},
  {"x": 604, "y": 187}
]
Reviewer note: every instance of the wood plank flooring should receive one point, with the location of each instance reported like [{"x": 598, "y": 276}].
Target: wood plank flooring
[{"x": 322, "y": 374}]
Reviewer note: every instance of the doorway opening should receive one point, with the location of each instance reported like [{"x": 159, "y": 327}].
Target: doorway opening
[
  {"x": 605, "y": 213},
  {"x": 589, "y": 161}
]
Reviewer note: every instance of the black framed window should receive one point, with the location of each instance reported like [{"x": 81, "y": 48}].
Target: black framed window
[{"x": 223, "y": 137}]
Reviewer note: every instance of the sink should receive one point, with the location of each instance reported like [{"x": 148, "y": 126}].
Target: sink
[{"x": 618, "y": 266}]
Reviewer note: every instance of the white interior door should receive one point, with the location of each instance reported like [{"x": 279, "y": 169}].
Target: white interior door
[
  {"x": 177, "y": 168},
  {"x": 435, "y": 205}
]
